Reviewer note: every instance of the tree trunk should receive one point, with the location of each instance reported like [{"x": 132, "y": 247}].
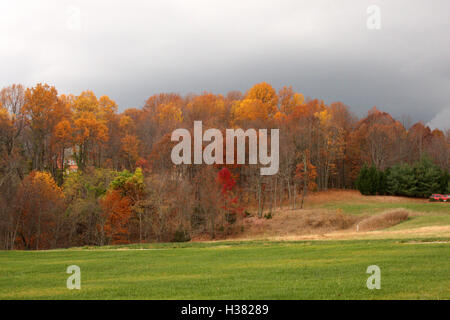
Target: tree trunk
[{"x": 259, "y": 199}]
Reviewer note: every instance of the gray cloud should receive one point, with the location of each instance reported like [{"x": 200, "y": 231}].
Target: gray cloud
[
  {"x": 441, "y": 120},
  {"x": 131, "y": 50}
]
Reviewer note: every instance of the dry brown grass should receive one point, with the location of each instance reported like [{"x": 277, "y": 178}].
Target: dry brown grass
[
  {"x": 288, "y": 222},
  {"x": 384, "y": 220},
  {"x": 326, "y": 221}
]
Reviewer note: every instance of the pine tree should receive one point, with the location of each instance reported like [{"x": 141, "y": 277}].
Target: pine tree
[
  {"x": 382, "y": 182},
  {"x": 401, "y": 180},
  {"x": 372, "y": 180},
  {"x": 362, "y": 181}
]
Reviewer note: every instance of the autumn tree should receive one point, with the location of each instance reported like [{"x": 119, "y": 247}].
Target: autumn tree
[
  {"x": 148, "y": 127},
  {"x": 230, "y": 204},
  {"x": 39, "y": 204},
  {"x": 121, "y": 202},
  {"x": 289, "y": 100},
  {"x": 258, "y": 106},
  {"x": 306, "y": 174},
  {"x": 12, "y": 99},
  {"x": 42, "y": 110},
  {"x": 83, "y": 191},
  {"x": 377, "y": 139},
  {"x": 343, "y": 122},
  {"x": 90, "y": 129},
  {"x": 208, "y": 108}
]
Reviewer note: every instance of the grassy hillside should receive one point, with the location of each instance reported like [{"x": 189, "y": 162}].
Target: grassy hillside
[
  {"x": 351, "y": 201},
  {"x": 343, "y": 214},
  {"x": 414, "y": 262},
  {"x": 233, "y": 270}
]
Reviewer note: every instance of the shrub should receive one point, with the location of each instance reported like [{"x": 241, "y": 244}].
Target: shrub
[
  {"x": 268, "y": 215},
  {"x": 181, "y": 235},
  {"x": 328, "y": 221},
  {"x": 371, "y": 181},
  {"x": 384, "y": 220}
]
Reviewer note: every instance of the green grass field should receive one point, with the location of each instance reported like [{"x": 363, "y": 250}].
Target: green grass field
[
  {"x": 412, "y": 267},
  {"x": 233, "y": 270},
  {"x": 376, "y": 207}
]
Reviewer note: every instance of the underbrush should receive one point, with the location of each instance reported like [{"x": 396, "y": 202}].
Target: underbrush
[
  {"x": 327, "y": 221},
  {"x": 384, "y": 220}
]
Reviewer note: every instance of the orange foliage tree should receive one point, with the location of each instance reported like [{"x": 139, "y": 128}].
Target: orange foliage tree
[{"x": 39, "y": 203}]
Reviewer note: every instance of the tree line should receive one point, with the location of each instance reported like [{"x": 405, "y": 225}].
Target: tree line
[
  {"x": 421, "y": 180},
  {"x": 75, "y": 171}
]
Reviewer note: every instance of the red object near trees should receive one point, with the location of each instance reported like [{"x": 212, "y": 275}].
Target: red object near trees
[{"x": 440, "y": 197}]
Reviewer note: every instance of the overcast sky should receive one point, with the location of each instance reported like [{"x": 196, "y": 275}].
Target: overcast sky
[{"x": 132, "y": 49}]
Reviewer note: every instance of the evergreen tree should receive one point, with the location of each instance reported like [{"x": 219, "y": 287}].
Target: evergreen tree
[
  {"x": 444, "y": 183},
  {"x": 362, "y": 181},
  {"x": 382, "y": 182},
  {"x": 373, "y": 180},
  {"x": 401, "y": 180},
  {"x": 429, "y": 178}
]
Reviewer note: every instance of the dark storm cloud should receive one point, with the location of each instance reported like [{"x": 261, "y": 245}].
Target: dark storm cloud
[{"x": 131, "y": 50}]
